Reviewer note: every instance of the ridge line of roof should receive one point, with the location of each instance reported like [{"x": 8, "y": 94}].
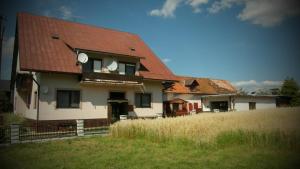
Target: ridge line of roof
[
  {"x": 191, "y": 77},
  {"x": 75, "y": 22}
]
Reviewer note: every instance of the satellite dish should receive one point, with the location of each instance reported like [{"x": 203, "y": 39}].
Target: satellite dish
[
  {"x": 112, "y": 65},
  {"x": 82, "y": 58}
]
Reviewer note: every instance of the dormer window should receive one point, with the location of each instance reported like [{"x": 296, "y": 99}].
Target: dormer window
[
  {"x": 97, "y": 65},
  {"x": 191, "y": 83},
  {"x": 93, "y": 65},
  {"x": 127, "y": 69}
]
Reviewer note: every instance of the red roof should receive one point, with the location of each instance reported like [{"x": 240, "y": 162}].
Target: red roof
[
  {"x": 38, "y": 51},
  {"x": 205, "y": 86}
]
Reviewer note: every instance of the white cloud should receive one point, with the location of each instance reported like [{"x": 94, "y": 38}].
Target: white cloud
[
  {"x": 169, "y": 7},
  {"x": 272, "y": 83},
  {"x": 66, "y": 12},
  {"x": 269, "y": 13},
  {"x": 195, "y": 4},
  {"x": 167, "y": 10},
  {"x": 62, "y": 12},
  {"x": 221, "y": 5},
  {"x": 266, "y": 13},
  {"x": 261, "y": 12},
  {"x": 253, "y": 85},
  {"x": 8, "y": 47},
  {"x": 166, "y": 60},
  {"x": 245, "y": 83}
]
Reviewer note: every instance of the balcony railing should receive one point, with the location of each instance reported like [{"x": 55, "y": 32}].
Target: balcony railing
[{"x": 92, "y": 76}]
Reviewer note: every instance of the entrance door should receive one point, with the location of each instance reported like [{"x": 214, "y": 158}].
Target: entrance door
[{"x": 118, "y": 109}]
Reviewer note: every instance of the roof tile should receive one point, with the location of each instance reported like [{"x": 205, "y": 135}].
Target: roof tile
[
  {"x": 40, "y": 52},
  {"x": 206, "y": 86}
]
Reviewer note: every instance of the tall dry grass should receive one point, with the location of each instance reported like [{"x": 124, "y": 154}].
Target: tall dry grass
[{"x": 206, "y": 127}]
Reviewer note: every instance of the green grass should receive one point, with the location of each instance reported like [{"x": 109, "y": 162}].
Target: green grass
[
  {"x": 109, "y": 152},
  {"x": 267, "y": 139}
]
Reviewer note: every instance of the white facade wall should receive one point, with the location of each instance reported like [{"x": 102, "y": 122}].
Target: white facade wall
[
  {"x": 93, "y": 102},
  {"x": 242, "y": 103},
  {"x": 20, "y": 104}
]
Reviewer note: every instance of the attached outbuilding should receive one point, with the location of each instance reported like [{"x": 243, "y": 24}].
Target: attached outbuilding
[{"x": 211, "y": 95}]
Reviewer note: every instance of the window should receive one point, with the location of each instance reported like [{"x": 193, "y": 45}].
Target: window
[
  {"x": 93, "y": 65},
  {"x": 97, "y": 66},
  {"x": 67, "y": 99},
  {"x": 121, "y": 68},
  {"x": 176, "y": 107},
  {"x": 130, "y": 69},
  {"x": 221, "y": 106},
  {"x": 127, "y": 69},
  {"x": 195, "y": 106},
  {"x": 143, "y": 100},
  {"x": 252, "y": 105},
  {"x": 190, "y": 107}
]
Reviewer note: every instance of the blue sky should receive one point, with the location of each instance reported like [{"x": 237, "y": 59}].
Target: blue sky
[{"x": 252, "y": 43}]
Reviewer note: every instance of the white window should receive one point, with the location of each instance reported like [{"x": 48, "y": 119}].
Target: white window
[
  {"x": 127, "y": 69},
  {"x": 121, "y": 68},
  {"x": 97, "y": 65}
]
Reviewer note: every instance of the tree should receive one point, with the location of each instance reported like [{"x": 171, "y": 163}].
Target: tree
[{"x": 290, "y": 88}]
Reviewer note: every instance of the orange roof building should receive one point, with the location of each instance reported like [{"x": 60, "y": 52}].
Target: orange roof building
[
  {"x": 202, "y": 86},
  {"x": 193, "y": 92},
  {"x": 209, "y": 95},
  {"x": 66, "y": 71}
]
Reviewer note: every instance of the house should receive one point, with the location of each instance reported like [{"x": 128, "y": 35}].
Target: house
[
  {"x": 120, "y": 76},
  {"x": 193, "y": 91},
  {"x": 194, "y": 95},
  {"x": 240, "y": 102}
]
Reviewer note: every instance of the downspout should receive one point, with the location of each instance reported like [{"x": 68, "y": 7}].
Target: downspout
[{"x": 38, "y": 104}]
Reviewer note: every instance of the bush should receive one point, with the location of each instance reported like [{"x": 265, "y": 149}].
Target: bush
[{"x": 10, "y": 118}]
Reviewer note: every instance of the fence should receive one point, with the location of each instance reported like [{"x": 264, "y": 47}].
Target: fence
[
  {"x": 96, "y": 130},
  {"x": 45, "y": 132},
  {"x": 20, "y": 133},
  {"x": 4, "y": 135}
]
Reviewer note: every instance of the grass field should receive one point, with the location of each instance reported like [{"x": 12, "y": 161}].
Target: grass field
[
  {"x": 205, "y": 127},
  {"x": 258, "y": 139}
]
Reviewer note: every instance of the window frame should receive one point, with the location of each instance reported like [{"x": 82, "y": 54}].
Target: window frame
[
  {"x": 131, "y": 64},
  {"x": 140, "y": 104},
  {"x": 70, "y": 98},
  {"x": 252, "y": 105},
  {"x": 101, "y": 65}
]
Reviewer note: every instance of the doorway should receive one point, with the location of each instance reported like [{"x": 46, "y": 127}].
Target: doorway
[
  {"x": 252, "y": 105},
  {"x": 117, "y": 105},
  {"x": 116, "y": 109},
  {"x": 221, "y": 106}
]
